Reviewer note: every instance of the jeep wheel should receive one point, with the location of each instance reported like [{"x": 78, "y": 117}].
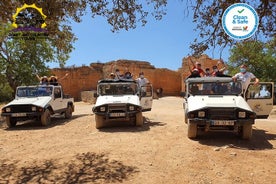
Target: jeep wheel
[
  {"x": 45, "y": 118},
  {"x": 139, "y": 119},
  {"x": 247, "y": 131},
  {"x": 99, "y": 121},
  {"x": 68, "y": 112},
  {"x": 192, "y": 130},
  {"x": 11, "y": 122}
]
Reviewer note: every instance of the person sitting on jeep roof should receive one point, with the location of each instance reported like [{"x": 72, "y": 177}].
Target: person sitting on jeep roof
[
  {"x": 128, "y": 75},
  {"x": 42, "y": 80},
  {"x": 194, "y": 74},
  {"x": 118, "y": 74},
  {"x": 207, "y": 73},
  {"x": 54, "y": 79},
  {"x": 112, "y": 76}
]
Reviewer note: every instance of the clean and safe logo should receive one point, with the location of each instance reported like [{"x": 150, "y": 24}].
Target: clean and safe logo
[
  {"x": 29, "y": 22},
  {"x": 240, "y": 21}
]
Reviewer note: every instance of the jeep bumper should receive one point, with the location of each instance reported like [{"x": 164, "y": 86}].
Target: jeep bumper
[
  {"x": 117, "y": 115},
  {"x": 238, "y": 122},
  {"x": 22, "y": 114}
]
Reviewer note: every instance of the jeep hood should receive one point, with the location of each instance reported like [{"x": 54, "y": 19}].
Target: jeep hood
[
  {"x": 126, "y": 99},
  {"x": 37, "y": 101},
  {"x": 200, "y": 102}
]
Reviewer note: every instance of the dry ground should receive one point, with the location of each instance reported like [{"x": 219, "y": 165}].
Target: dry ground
[{"x": 73, "y": 151}]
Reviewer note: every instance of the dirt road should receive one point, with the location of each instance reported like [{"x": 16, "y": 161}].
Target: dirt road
[{"x": 74, "y": 151}]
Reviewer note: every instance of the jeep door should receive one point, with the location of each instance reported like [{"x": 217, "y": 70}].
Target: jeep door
[
  {"x": 260, "y": 98},
  {"x": 146, "y": 97},
  {"x": 57, "y": 103}
]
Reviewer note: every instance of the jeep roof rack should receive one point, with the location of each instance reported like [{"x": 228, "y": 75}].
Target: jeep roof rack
[{"x": 115, "y": 80}]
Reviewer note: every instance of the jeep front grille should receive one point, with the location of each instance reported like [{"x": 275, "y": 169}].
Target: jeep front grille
[
  {"x": 21, "y": 108},
  {"x": 117, "y": 108},
  {"x": 222, "y": 114}
]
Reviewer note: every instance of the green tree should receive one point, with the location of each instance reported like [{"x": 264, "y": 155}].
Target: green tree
[
  {"x": 21, "y": 59},
  {"x": 258, "y": 56}
]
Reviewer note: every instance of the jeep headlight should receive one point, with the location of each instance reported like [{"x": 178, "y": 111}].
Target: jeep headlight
[
  {"x": 102, "y": 109},
  {"x": 242, "y": 114},
  {"x": 201, "y": 114},
  {"x": 8, "y": 109},
  {"x": 33, "y": 108},
  {"x": 131, "y": 108}
]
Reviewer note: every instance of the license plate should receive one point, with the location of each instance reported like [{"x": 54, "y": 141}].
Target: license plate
[
  {"x": 19, "y": 115},
  {"x": 119, "y": 114},
  {"x": 223, "y": 122}
]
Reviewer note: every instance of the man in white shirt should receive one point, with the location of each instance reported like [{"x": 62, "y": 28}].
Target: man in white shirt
[
  {"x": 142, "y": 81},
  {"x": 245, "y": 77}
]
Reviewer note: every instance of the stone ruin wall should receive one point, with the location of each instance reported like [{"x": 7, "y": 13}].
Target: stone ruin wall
[{"x": 85, "y": 78}]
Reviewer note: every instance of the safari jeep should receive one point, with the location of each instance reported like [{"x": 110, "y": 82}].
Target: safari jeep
[
  {"x": 37, "y": 102},
  {"x": 217, "y": 103},
  {"x": 120, "y": 101}
]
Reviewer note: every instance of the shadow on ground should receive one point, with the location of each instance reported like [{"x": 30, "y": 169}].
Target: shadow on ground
[
  {"x": 130, "y": 127},
  {"x": 259, "y": 141},
  {"x": 57, "y": 120},
  {"x": 83, "y": 168}
]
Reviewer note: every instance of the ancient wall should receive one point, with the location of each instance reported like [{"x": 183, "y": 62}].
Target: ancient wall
[
  {"x": 79, "y": 79},
  {"x": 85, "y": 78}
]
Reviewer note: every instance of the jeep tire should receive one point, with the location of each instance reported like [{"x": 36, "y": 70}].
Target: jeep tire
[
  {"x": 68, "y": 112},
  {"x": 99, "y": 121},
  {"x": 11, "y": 122},
  {"x": 45, "y": 118},
  {"x": 139, "y": 119},
  {"x": 192, "y": 130},
  {"x": 247, "y": 131}
]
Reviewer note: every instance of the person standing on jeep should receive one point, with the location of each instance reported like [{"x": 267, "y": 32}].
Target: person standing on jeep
[
  {"x": 245, "y": 77},
  {"x": 197, "y": 66},
  {"x": 142, "y": 81}
]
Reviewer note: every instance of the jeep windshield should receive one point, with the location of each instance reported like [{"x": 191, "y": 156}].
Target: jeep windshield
[
  {"x": 117, "y": 89},
  {"x": 215, "y": 88},
  {"x": 34, "y": 91}
]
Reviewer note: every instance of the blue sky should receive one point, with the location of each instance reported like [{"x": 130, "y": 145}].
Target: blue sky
[{"x": 162, "y": 43}]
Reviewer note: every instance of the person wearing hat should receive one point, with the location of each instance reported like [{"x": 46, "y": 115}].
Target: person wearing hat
[
  {"x": 42, "y": 80},
  {"x": 54, "y": 79},
  {"x": 245, "y": 77},
  {"x": 112, "y": 76}
]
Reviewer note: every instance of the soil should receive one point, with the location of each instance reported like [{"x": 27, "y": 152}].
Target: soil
[{"x": 74, "y": 151}]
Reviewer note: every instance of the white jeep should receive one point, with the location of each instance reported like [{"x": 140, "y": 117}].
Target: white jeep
[
  {"x": 38, "y": 102},
  {"x": 121, "y": 100},
  {"x": 217, "y": 103}
]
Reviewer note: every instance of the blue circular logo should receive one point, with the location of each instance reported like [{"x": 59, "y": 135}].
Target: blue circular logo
[{"x": 240, "y": 21}]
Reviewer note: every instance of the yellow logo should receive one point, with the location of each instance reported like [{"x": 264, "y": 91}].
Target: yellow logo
[{"x": 24, "y": 7}]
